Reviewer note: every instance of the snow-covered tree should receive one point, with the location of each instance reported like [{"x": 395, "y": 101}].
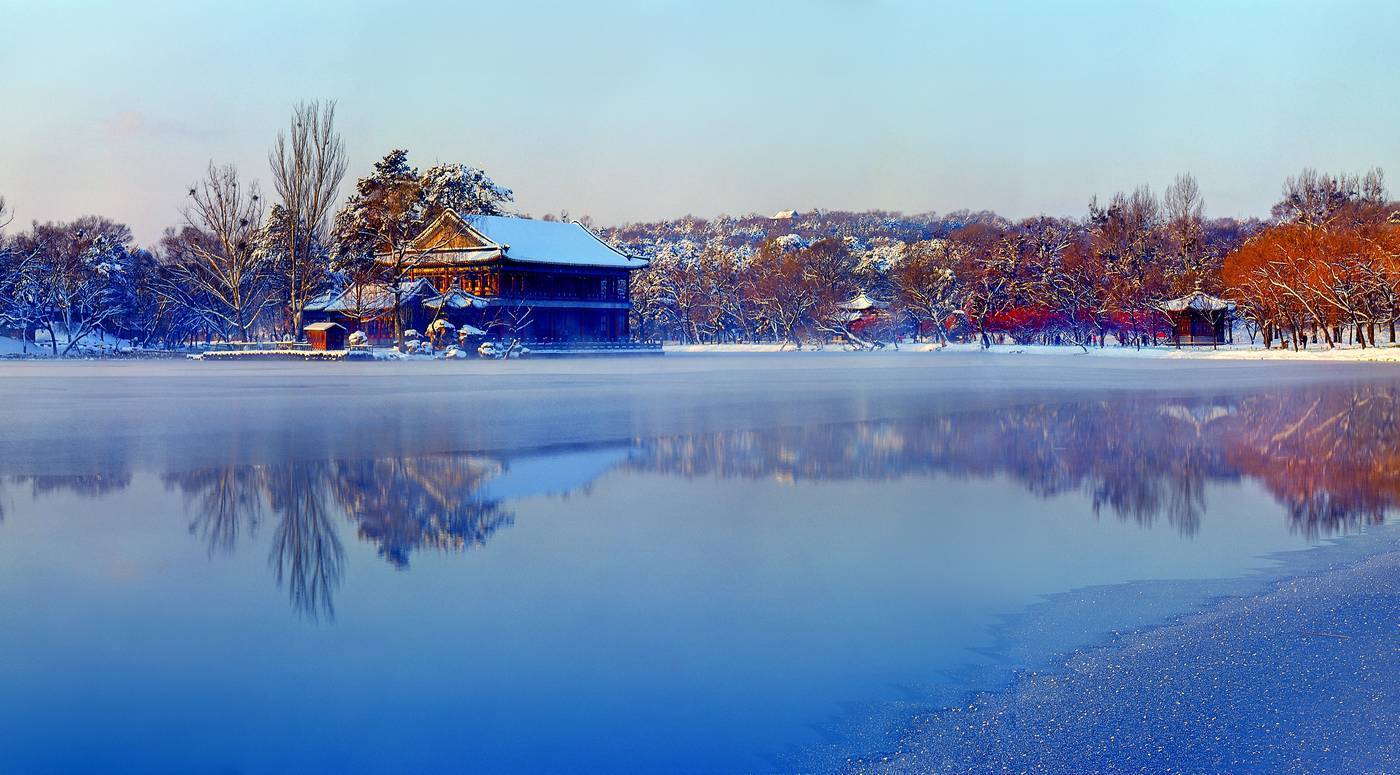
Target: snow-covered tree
[
  {"x": 22, "y": 282},
  {"x": 467, "y": 190},
  {"x": 926, "y": 284},
  {"x": 375, "y": 231},
  {"x": 73, "y": 276}
]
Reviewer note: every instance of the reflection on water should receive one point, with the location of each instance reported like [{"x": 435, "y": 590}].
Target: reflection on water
[
  {"x": 677, "y": 603},
  {"x": 1329, "y": 455},
  {"x": 398, "y": 504}
]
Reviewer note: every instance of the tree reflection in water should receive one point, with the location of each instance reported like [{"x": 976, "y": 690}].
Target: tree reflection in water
[
  {"x": 222, "y": 501},
  {"x": 400, "y": 504},
  {"x": 306, "y": 549},
  {"x": 403, "y": 504},
  {"x": 1330, "y": 455}
]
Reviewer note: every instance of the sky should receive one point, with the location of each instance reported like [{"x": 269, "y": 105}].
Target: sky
[{"x": 633, "y": 111}]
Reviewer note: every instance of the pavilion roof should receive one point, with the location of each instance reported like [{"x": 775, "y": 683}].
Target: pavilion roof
[
  {"x": 478, "y": 238},
  {"x": 861, "y": 302},
  {"x": 369, "y": 297},
  {"x": 1196, "y": 300},
  {"x": 455, "y": 299}
]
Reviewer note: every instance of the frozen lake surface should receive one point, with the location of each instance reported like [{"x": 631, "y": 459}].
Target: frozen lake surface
[{"x": 690, "y": 564}]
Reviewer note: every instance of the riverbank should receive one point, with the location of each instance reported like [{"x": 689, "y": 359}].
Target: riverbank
[
  {"x": 1385, "y": 353},
  {"x": 1299, "y": 677}
]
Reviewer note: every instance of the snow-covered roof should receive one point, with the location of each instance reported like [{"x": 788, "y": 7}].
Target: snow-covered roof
[
  {"x": 861, "y": 302},
  {"x": 531, "y": 241},
  {"x": 454, "y": 299},
  {"x": 321, "y": 326},
  {"x": 783, "y": 215},
  {"x": 1197, "y": 300},
  {"x": 370, "y": 297}
]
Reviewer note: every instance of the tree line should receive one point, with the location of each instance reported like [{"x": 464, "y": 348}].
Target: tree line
[{"x": 1324, "y": 268}]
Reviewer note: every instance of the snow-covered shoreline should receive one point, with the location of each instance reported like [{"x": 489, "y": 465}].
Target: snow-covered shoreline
[
  {"x": 12, "y": 349},
  {"x": 1317, "y": 621},
  {"x": 1381, "y": 354}
]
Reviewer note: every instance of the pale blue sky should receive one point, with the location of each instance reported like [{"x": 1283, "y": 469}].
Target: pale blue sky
[{"x": 643, "y": 110}]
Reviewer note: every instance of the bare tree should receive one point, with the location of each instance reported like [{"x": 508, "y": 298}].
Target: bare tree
[
  {"x": 228, "y": 272},
  {"x": 510, "y": 324},
  {"x": 1183, "y": 211},
  {"x": 308, "y": 165}
]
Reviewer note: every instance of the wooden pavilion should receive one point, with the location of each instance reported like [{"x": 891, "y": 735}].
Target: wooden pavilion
[{"x": 1199, "y": 319}]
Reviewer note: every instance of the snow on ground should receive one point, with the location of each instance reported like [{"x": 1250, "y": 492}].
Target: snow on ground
[
  {"x": 89, "y": 346},
  {"x": 11, "y": 346},
  {"x": 1232, "y": 688},
  {"x": 1383, "y": 353}
]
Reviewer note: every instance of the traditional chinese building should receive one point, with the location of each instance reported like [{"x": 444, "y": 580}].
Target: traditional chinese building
[
  {"x": 544, "y": 280},
  {"x": 369, "y": 307},
  {"x": 560, "y": 278},
  {"x": 1199, "y": 319},
  {"x": 861, "y": 309}
]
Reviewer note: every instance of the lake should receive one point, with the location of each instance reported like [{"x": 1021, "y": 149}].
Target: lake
[{"x": 693, "y": 564}]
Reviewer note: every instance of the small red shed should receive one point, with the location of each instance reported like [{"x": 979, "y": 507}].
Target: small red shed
[{"x": 326, "y": 336}]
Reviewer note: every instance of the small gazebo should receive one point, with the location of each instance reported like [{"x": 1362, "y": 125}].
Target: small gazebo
[
  {"x": 1199, "y": 319},
  {"x": 862, "y": 307}
]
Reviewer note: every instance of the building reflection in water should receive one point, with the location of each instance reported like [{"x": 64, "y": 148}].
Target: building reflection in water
[{"x": 1329, "y": 455}]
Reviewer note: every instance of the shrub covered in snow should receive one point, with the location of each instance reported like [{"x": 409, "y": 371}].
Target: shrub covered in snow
[
  {"x": 358, "y": 339},
  {"x": 441, "y": 332},
  {"x": 502, "y": 350}
]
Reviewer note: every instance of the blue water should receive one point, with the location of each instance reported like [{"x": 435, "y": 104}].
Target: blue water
[{"x": 700, "y": 601}]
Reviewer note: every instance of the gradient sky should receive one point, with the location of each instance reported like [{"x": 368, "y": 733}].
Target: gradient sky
[{"x": 645, "y": 110}]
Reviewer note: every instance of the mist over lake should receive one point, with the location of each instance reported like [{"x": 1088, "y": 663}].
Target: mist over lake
[{"x": 694, "y": 564}]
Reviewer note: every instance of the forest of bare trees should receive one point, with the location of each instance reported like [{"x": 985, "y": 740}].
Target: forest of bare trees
[{"x": 1323, "y": 268}]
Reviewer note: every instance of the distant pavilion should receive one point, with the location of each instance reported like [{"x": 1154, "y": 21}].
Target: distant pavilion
[
  {"x": 1199, "y": 319},
  {"x": 863, "y": 309}
]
